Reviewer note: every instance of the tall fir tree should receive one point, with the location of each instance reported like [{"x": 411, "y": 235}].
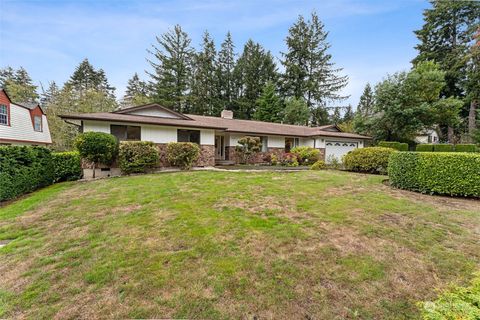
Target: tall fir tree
[
  {"x": 444, "y": 38},
  {"x": 269, "y": 105},
  {"x": 86, "y": 77},
  {"x": 225, "y": 76},
  {"x": 204, "y": 89},
  {"x": 349, "y": 114},
  {"x": 365, "y": 107},
  {"x": 336, "y": 116},
  {"x": 49, "y": 94},
  {"x": 136, "y": 93},
  {"x": 172, "y": 64},
  {"x": 296, "y": 111},
  {"x": 18, "y": 84},
  {"x": 309, "y": 70},
  {"x": 253, "y": 70}
]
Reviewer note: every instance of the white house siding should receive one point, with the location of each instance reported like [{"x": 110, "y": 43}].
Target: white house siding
[
  {"x": 273, "y": 141},
  {"x": 21, "y": 128},
  {"x": 154, "y": 112},
  {"x": 156, "y": 134}
]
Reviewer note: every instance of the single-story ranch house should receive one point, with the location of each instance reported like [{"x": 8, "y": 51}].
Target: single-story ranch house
[{"x": 217, "y": 136}]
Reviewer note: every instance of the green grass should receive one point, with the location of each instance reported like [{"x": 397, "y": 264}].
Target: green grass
[{"x": 219, "y": 245}]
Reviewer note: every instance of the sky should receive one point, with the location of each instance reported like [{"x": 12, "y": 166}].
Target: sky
[{"x": 368, "y": 38}]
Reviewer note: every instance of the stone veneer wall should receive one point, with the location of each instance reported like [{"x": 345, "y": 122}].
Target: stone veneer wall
[{"x": 260, "y": 156}]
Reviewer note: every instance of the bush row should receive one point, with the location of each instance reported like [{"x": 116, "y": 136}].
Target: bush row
[
  {"x": 445, "y": 147},
  {"x": 368, "y": 160},
  {"x": 137, "y": 156},
  {"x": 449, "y": 173},
  {"x": 67, "y": 166},
  {"x": 394, "y": 145}
]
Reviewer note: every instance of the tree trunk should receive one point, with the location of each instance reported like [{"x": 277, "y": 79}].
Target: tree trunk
[
  {"x": 93, "y": 175},
  {"x": 450, "y": 134},
  {"x": 472, "y": 125}
]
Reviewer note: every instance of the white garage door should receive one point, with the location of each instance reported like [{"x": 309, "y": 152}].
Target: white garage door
[{"x": 337, "y": 149}]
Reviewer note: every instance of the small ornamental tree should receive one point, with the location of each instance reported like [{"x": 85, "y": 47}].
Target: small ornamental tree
[
  {"x": 247, "y": 147},
  {"x": 97, "y": 147}
]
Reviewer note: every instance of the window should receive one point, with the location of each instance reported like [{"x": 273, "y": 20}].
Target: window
[
  {"x": 37, "y": 123},
  {"x": 188, "y": 136},
  {"x": 3, "y": 114},
  {"x": 291, "y": 143},
  {"x": 264, "y": 141},
  {"x": 126, "y": 133}
]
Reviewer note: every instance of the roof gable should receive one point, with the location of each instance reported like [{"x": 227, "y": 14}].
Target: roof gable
[{"x": 153, "y": 110}]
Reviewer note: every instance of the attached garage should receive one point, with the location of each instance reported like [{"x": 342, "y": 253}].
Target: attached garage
[{"x": 337, "y": 149}]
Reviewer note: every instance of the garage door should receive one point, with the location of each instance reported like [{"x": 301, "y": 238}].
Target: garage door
[{"x": 337, "y": 149}]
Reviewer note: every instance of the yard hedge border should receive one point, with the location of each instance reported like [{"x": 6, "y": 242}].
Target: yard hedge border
[
  {"x": 24, "y": 169},
  {"x": 446, "y": 173},
  {"x": 400, "y": 146},
  {"x": 67, "y": 166}
]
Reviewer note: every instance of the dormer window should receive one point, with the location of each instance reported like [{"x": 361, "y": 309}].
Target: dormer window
[
  {"x": 37, "y": 123},
  {"x": 3, "y": 114}
]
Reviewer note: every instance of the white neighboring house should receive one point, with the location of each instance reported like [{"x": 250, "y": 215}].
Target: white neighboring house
[
  {"x": 22, "y": 123},
  {"x": 427, "y": 136}
]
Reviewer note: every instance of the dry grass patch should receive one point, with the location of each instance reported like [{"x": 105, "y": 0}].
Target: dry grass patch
[{"x": 218, "y": 245}]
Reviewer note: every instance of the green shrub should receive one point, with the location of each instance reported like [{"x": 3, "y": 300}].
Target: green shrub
[
  {"x": 394, "y": 145},
  {"x": 306, "y": 155},
  {"x": 443, "y": 147},
  {"x": 465, "y": 148},
  {"x": 369, "y": 160},
  {"x": 182, "y": 154},
  {"x": 333, "y": 162},
  {"x": 97, "y": 147},
  {"x": 425, "y": 147},
  {"x": 450, "y": 173},
  {"x": 319, "y": 165},
  {"x": 137, "y": 156},
  {"x": 67, "y": 166},
  {"x": 455, "y": 303},
  {"x": 24, "y": 169},
  {"x": 273, "y": 159}
]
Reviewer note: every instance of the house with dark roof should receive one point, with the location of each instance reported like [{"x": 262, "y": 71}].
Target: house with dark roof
[
  {"x": 22, "y": 123},
  {"x": 217, "y": 136}
]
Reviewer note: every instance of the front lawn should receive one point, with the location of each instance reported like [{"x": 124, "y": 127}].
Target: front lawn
[{"x": 215, "y": 245}]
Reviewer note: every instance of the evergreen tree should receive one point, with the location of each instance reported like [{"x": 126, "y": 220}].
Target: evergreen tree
[
  {"x": 18, "y": 84},
  {"x": 269, "y": 105},
  {"x": 444, "y": 38},
  {"x": 296, "y": 111},
  {"x": 336, "y": 116},
  {"x": 48, "y": 95},
  {"x": 349, "y": 114},
  {"x": 136, "y": 93},
  {"x": 85, "y": 78},
  {"x": 172, "y": 63},
  {"x": 367, "y": 102},
  {"x": 204, "y": 90},
  {"x": 225, "y": 67},
  {"x": 309, "y": 71},
  {"x": 253, "y": 70},
  {"x": 473, "y": 83}
]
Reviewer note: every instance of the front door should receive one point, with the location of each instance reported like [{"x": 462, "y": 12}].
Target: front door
[{"x": 220, "y": 147}]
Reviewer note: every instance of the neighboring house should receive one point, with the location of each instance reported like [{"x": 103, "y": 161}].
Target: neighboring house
[
  {"x": 22, "y": 123},
  {"x": 217, "y": 136},
  {"x": 427, "y": 136}
]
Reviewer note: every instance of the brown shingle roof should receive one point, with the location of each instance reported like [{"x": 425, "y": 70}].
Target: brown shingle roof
[{"x": 228, "y": 125}]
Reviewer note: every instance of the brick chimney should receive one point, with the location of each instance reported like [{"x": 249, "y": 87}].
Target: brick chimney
[{"x": 227, "y": 114}]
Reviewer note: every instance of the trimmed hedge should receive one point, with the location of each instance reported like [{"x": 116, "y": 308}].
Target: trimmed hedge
[
  {"x": 306, "y": 155},
  {"x": 455, "y": 303},
  {"x": 443, "y": 147},
  {"x": 67, "y": 166},
  {"x": 425, "y": 147},
  {"x": 394, "y": 144},
  {"x": 182, "y": 154},
  {"x": 137, "y": 156},
  {"x": 449, "y": 173},
  {"x": 24, "y": 169},
  {"x": 465, "y": 148},
  {"x": 369, "y": 160}
]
